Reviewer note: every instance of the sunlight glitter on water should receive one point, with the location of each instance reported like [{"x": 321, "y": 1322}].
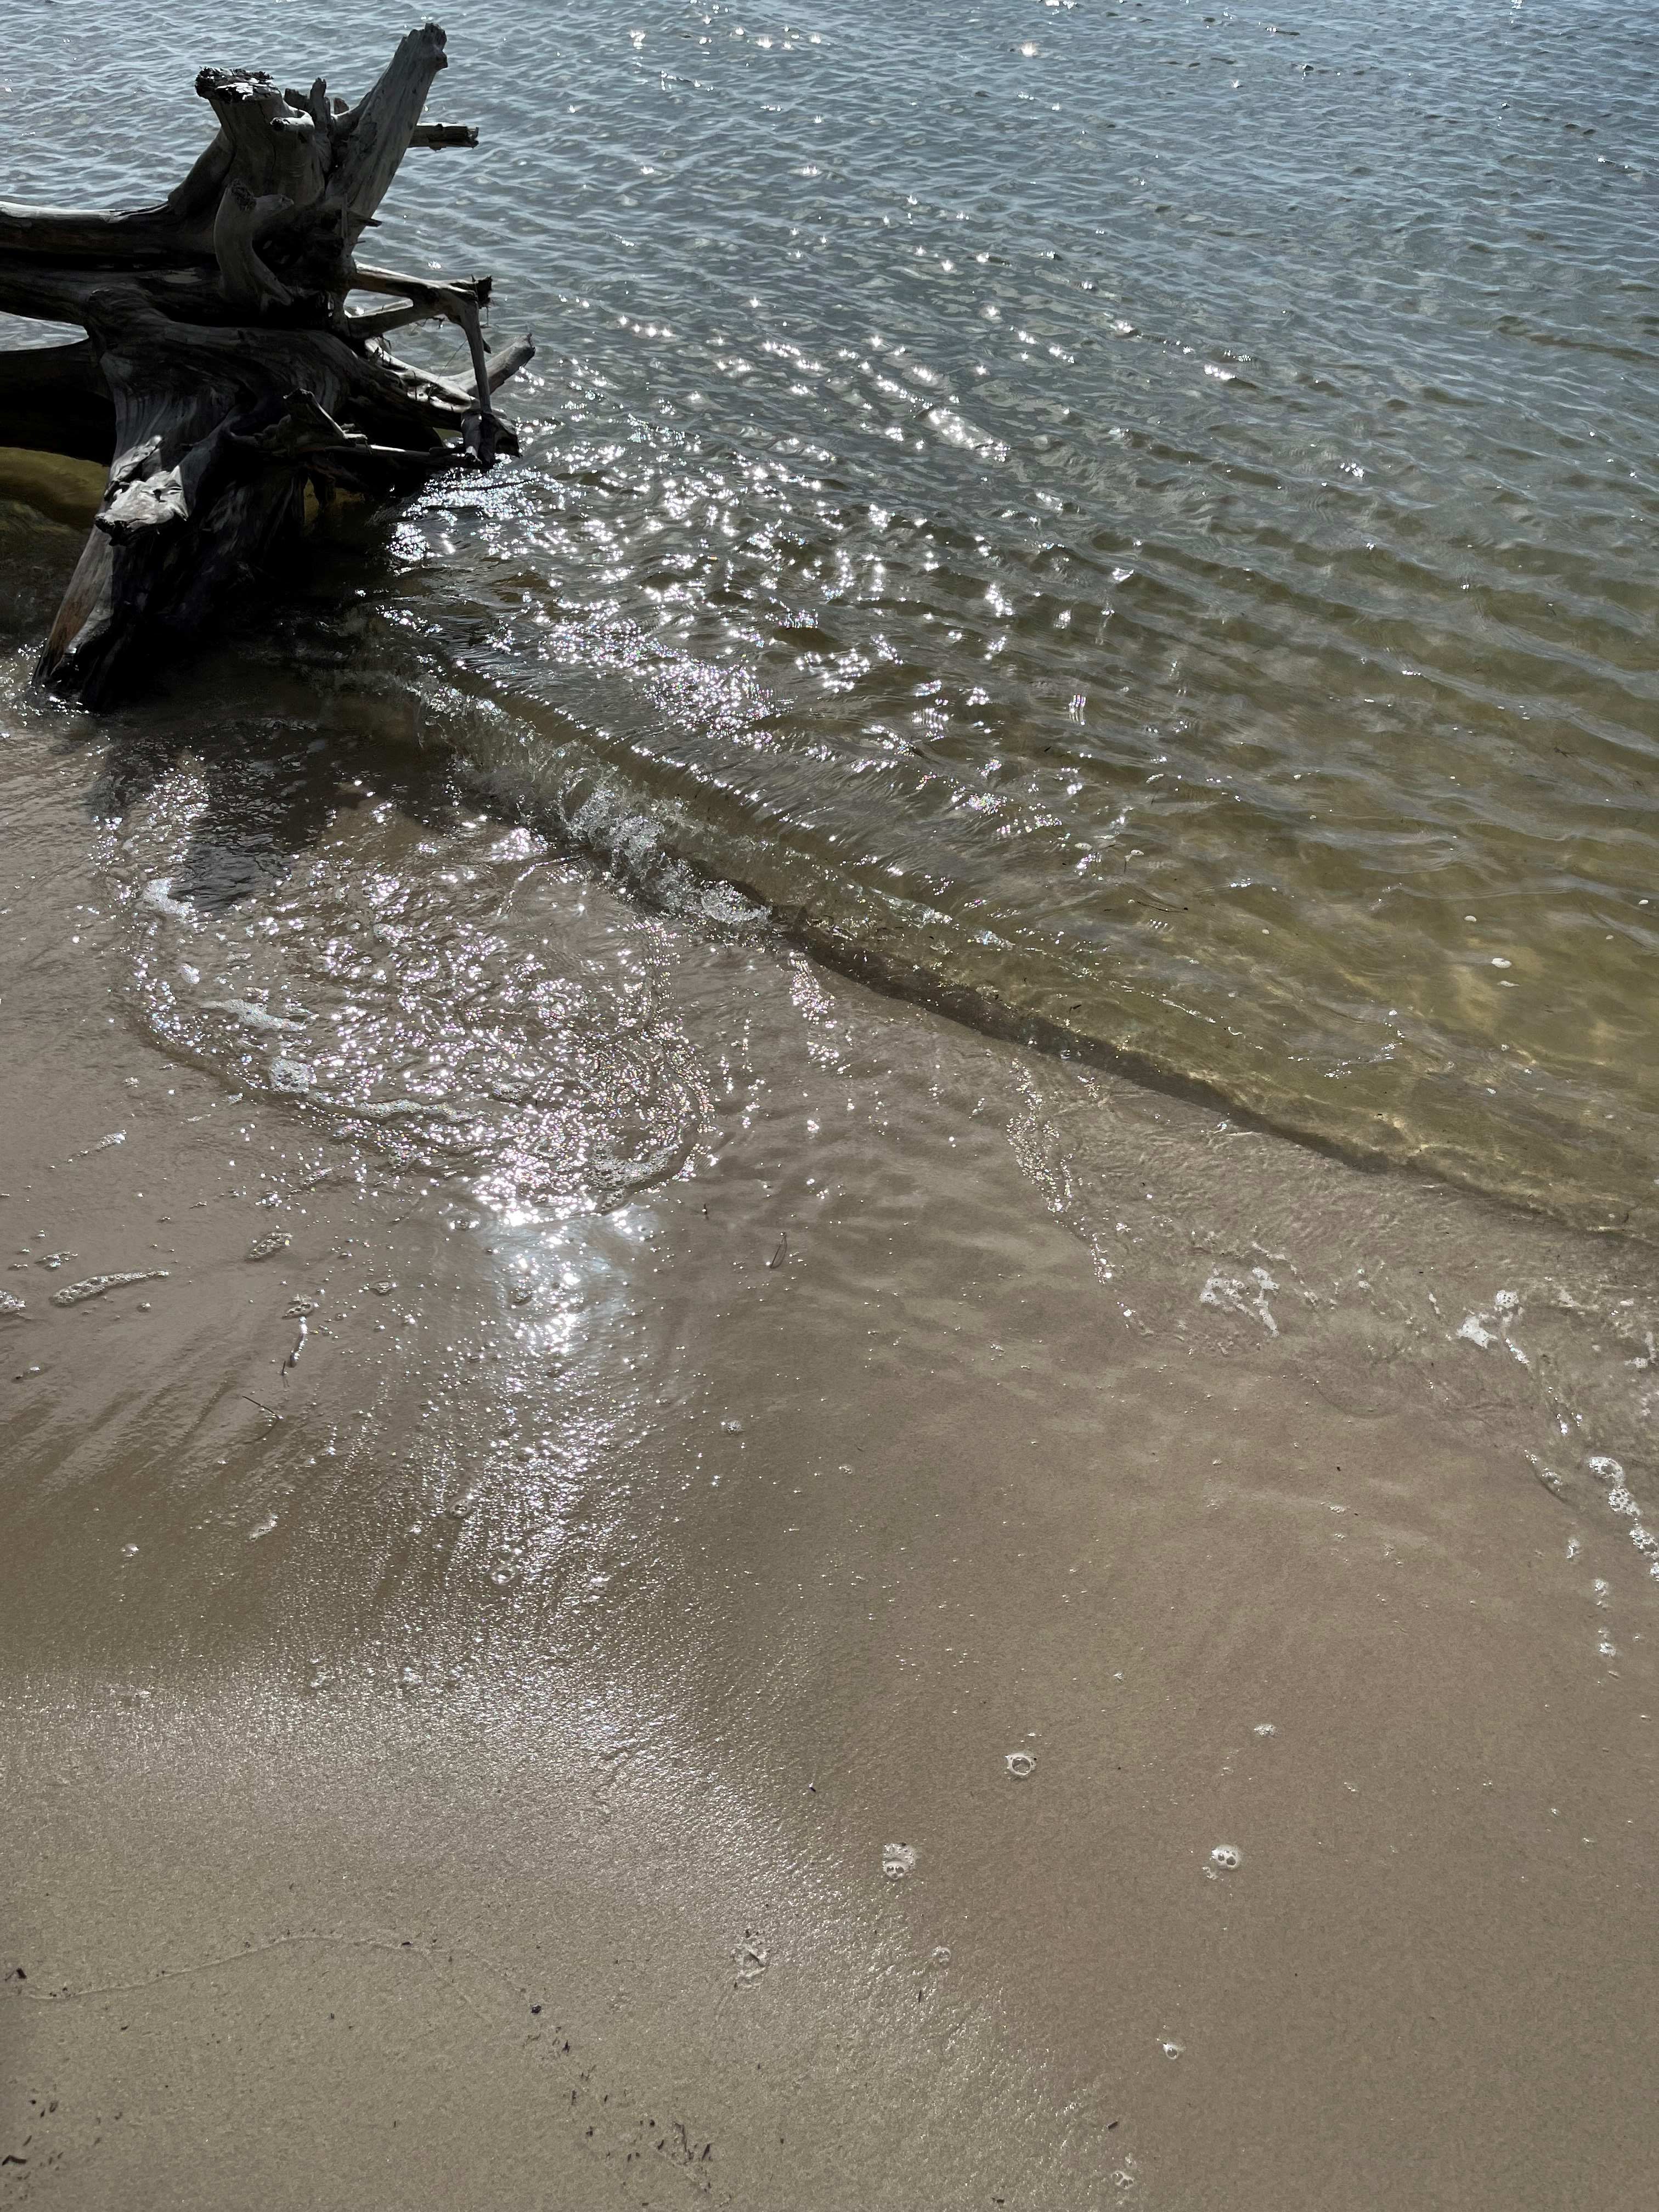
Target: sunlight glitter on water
[{"x": 1121, "y": 531}]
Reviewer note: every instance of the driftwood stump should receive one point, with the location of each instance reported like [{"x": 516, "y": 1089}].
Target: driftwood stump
[{"x": 222, "y": 376}]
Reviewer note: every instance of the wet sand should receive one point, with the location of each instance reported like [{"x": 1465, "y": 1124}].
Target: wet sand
[{"x": 460, "y": 1767}]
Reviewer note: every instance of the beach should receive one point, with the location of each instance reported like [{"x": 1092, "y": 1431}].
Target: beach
[
  {"x": 827, "y": 1330},
  {"x": 463, "y": 1765}
]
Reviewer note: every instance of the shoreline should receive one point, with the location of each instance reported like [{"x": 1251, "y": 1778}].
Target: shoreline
[{"x": 608, "y": 1599}]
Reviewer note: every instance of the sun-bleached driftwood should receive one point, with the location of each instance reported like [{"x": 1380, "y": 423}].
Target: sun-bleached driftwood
[{"x": 221, "y": 375}]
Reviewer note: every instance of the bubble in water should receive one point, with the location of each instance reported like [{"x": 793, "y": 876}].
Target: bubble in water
[
  {"x": 898, "y": 1860},
  {"x": 1170, "y": 2047},
  {"x": 1020, "y": 1764},
  {"x": 941, "y": 1955},
  {"x": 750, "y": 1959},
  {"x": 1227, "y": 1856},
  {"x": 1265, "y": 1727},
  {"x": 250, "y": 1014}
]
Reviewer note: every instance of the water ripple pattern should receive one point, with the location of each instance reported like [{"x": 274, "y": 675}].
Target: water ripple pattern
[
  {"x": 413, "y": 1009},
  {"x": 1116, "y": 515}
]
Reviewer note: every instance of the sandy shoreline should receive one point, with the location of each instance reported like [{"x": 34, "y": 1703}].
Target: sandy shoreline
[{"x": 614, "y": 1589}]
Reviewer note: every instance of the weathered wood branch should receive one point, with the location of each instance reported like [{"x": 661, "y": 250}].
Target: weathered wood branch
[
  {"x": 247, "y": 283},
  {"x": 373, "y": 137},
  {"x": 221, "y": 376},
  {"x": 458, "y": 303},
  {"x": 509, "y": 359}
]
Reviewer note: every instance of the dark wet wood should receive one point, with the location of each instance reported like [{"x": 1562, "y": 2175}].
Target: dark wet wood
[
  {"x": 222, "y": 376},
  {"x": 55, "y": 398}
]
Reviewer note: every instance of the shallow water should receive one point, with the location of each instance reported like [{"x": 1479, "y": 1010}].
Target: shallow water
[
  {"x": 1124, "y": 515},
  {"x": 980, "y": 1575},
  {"x": 636, "y": 1528}
]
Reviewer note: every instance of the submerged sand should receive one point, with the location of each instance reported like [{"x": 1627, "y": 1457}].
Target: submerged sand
[{"x": 985, "y": 1640}]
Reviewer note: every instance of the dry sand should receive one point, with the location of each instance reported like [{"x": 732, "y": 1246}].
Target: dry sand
[{"x": 460, "y": 1769}]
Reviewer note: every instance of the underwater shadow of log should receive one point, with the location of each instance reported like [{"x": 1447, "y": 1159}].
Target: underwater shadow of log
[{"x": 221, "y": 376}]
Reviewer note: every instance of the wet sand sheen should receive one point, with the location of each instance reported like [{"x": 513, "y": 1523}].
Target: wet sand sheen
[
  {"x": 617, "y": 1587},
  {"x": 637, "y": 1576}
]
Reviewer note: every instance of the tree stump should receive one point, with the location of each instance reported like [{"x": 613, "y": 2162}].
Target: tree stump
[{"x": 222, "y": 374}]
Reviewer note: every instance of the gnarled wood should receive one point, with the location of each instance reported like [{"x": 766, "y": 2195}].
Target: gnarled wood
[
  {"x": 244, "y": 278},
  {"x": 221, "y": 376}
]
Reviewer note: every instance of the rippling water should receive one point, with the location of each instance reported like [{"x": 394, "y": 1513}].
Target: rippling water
[{"x": 1117, "y": 517}]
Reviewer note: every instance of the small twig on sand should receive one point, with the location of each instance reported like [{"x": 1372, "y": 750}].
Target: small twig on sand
[{"x": 782, "y": 1252}]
